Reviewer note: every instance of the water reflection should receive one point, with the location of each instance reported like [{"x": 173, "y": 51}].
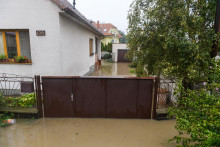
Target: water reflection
[{"x": 113, "y": 69}]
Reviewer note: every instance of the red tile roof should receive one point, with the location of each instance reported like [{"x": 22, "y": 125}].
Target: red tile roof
[{"x": 104, "y": 28}]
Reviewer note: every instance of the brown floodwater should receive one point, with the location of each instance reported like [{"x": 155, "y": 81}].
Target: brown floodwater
[
  {"x": 75, "y": 132},
  {"x": 113, "y": 69}
]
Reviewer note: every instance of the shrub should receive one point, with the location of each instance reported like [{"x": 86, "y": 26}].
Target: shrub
[
  {"x": 107, "y": 56},
  {"x": 133, "y": 65},
  {"x": 132, "y": 70},
  {"x": 27, "y": 100},
  {"x": 198, "y": 117},
  {"x": 197, "y": 112}
]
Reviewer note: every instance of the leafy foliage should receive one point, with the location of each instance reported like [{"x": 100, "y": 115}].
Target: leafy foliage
[
  {"x": 20, "y": 58},
  {"x": 123, "y": 39},
  {"x": 133, "y": 64},
  {"x": 27, "y": 100},
  {"x": 3, "y": 57},
  {"x": 107, "y": 56},
  {"x": 197, "y": 112},
  {"x": 175, "y": 39},
  {"x": 107, "y": 48},
  {"x": 172, "y": 38}
]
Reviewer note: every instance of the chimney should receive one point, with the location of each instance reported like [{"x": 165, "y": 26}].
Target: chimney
[
  {"x": 74, "y": 4},
  {"x": 98, "y": 25}
]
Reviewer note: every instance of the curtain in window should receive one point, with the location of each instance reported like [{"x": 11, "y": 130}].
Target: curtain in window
[
  {"x": 11, "y": 44},
  {"x": 1, "y": 44},
  {"x": 25, "y": 44}
]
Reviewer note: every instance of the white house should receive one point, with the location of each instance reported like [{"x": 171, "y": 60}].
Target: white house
[
  {"x": 56, "y": 38},
  {"x": 119, "y": 51}
]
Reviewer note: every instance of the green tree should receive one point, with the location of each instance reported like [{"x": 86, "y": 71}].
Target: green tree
[
  {"x": 172, "y": 37},
  {"x": 175, "y": 38},
  {"x": 106, "y": 47},
  {"x": 123, "y": 39}
]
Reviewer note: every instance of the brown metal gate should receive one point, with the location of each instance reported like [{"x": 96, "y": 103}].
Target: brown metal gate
[
  {"x": 97, "y": 97},
  {"x": 121, "y": 55}
]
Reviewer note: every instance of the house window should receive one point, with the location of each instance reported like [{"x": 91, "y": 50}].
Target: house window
[
  {"x": 15, "y": 43},
  {"x": 11, "y": 42},
  {"x": 112, "y": 40},
  {"x": 91, "y": 47}
]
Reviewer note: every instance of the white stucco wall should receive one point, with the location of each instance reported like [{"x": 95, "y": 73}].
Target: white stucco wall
[
  {"x": 116, "y": 47},
  {"x": 76, "y": 59},
  {"x": 63, "y": 51}
]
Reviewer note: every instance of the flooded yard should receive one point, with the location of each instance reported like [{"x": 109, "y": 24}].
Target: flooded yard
[
  {"x": 76, "y": 132},
  {"x": 113, "y": 69},
  {"x": 68, "y": 132}
]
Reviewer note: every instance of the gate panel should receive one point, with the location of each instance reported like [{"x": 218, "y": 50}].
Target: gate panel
[
  {"x": 57, "y": 97},
  {"x": 121, "y": 98},
  {"x": 90, "y": 97},
  {"x": 145, "y": 89},
  {"x": 98, "y": 97}
]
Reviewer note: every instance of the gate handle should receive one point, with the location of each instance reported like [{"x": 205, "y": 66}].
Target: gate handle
[{"x": 72, "y": 97}]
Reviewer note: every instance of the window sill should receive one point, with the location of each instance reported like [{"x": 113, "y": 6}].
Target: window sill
[{"x": 12, "y": 61}]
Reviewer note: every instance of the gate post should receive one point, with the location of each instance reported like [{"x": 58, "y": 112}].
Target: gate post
[
  {"x": 156, "y": 82},
  {"x": 38, "y": 95}
]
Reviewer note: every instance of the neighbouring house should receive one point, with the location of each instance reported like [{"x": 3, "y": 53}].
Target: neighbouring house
[
  {"x": 47, "y": 37},
  {"x": 119, "y": 51},
  {"x": 111, "y": 32}
]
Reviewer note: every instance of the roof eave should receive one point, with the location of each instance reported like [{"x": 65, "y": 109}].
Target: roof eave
[{"x": 71, "y": 13}]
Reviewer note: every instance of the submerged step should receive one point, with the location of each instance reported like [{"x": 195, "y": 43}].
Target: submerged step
[{"x": 18, "y": 109}]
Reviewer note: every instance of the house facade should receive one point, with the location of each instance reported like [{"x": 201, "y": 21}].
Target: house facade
[
  {"x": 111, "y": 32},
  {"x": 53, "y": 37}
]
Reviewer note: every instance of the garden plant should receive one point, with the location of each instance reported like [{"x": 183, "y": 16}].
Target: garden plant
[
  {"x": 27, "y": 100},
  {"x": 197, "y": 112}
]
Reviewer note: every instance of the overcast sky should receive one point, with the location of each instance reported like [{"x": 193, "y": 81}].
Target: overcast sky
[{"x": 106, "y": 11}]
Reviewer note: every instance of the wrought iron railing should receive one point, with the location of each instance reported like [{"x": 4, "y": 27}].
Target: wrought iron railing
[
  {"x": 17, "y": 90},
  {"x": 166, "y": 97}
]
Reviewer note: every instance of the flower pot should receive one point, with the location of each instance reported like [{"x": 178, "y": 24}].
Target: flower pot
[
  {"x": 4, "y": 60},
  {"x": 26, "y": 60},
  {"x": 22, "y": 61}
]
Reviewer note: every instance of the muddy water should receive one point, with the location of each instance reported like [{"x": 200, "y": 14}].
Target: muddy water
[
  {"x": 88, "y": 133},
  {"x": 113, "y": 69}
]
